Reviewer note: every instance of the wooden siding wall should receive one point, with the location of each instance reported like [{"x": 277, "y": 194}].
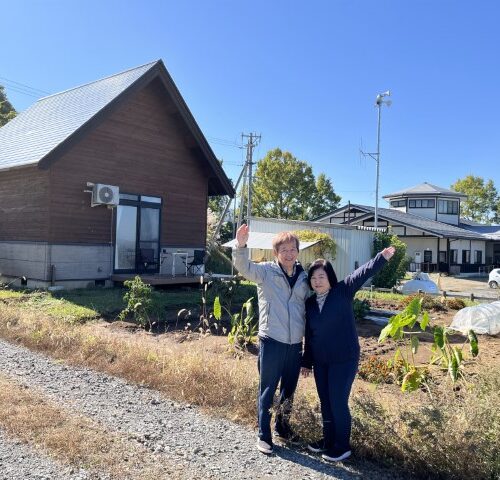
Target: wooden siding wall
[
  {"x": 143, "y": 148},
  {"x": 24, "y": 212}
]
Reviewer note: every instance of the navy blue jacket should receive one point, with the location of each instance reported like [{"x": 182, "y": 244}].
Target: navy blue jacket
[{"x": 331, "y": 335}]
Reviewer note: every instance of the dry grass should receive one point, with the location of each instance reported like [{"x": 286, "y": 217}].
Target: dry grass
[
  {"x": 74, "y": 440},
  {"x": 185, "y": 372},
  {"x": 453, "y": 435}
]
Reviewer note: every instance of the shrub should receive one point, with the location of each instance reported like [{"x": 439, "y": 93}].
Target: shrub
[
  {"x": 455, "y": 303},
  {"x": 395, "y": 270},
  {"x": 361, "y": 308},
  {"x": 428, "y": 302},
  {"x": 326, "y": 246},
  {"x": 138, "y": 299},
  {"x": 376, "y": 370}
]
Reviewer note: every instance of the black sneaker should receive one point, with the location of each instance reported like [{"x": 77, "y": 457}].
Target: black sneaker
[
  {"x": 336, "y": 455},
  {"x": 317, "y": 447},
  {"x": 287, "y": 437}
]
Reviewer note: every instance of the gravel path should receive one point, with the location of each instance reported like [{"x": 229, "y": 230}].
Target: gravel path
[
  {"x": 206, "y": 447},
  {"x": 20, "y": 462}
]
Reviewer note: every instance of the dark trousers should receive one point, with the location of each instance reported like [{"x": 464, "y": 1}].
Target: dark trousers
[
  {"x": 278, "y": 363},
  {"x": 334, "y": 382}
]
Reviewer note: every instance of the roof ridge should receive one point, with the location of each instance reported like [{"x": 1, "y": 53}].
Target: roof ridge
[{"x": 98, "y": 80}]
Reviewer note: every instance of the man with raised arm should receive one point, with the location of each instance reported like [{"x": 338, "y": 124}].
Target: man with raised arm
[{"x": 282, "y": 290}]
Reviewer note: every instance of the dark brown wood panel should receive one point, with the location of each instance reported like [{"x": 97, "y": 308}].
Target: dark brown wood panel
[
  {"x": 142, "y": 148},
  {"x": 24, "y": 214}
]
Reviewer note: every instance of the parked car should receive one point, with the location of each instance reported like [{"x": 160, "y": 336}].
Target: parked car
[{"x": 494, "y": 279}]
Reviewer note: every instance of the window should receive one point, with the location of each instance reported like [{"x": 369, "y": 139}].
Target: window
[
  {"x": 465, "y": 256},
  {"x": 145, "y": 198},
  {"x": 422, "y": 203},
  {"x": 448, "y": 207},
  {"x": 398, "y": 203},
  {"x": 453, "y": 256},
  {"x": 478, "y": 257},
  {"x": 442, "y": 257},
  {"x": 427, "y": 256}
]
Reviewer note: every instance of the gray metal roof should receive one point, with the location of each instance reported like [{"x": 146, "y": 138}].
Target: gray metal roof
[
  {"x": 440, "y": 229},
  {"x": 425, "y": 189},
  {"x": 34, "y": 133},
  {"x": 489, "y": 231}
]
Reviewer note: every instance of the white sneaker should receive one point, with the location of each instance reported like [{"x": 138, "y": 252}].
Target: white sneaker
[
  {"x": 264, "y": 447},
  {"x": 333, "y": 456}
]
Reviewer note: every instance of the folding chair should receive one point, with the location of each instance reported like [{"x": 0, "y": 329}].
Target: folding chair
[
  {"x": 147, "y": 258},
  {"x": 195, "y": 266}
]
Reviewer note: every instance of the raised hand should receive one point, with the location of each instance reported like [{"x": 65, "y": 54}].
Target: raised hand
[
  {"x": 388, "y": 252},
  {"x": 242, "y": 235}
]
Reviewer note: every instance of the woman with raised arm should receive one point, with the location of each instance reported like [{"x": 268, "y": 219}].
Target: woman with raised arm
[{"x": 332, "y": 348}]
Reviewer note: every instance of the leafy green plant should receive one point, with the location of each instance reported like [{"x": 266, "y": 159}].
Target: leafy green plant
[
  {"x": 138, "y": 300},
  {"x": 208, "y": 321},
  {"x": 361, "y": 308},
  {"x": 450, "y": 357},
  {"x": 400, "y": 327},
  {"x": 225, "y": 290},
  {"x": 243, "y": 325}
]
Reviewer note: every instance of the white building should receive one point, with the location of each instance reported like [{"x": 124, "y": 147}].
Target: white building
[
  {"x": 427, "y": 219},
  {"x": 354, "y": 242}
]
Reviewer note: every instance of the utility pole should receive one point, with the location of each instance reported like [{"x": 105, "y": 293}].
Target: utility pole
[
  {"x": 253, "y": 140},
  {"x": 376, "y": 155},
  {"x": 246, "y": 175}
]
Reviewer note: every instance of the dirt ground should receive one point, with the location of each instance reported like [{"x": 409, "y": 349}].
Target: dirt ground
[
  {"x": 368, "y": 333},
  {"x": 465, "y": 286}
]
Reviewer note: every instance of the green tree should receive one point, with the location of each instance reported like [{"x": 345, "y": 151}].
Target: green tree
[
  {"x": 482, "y": 200},
  {"x": 395, "y": 270},
  {"x": 7, "y": 111},
  {"x": 326, "y": 199},
  {"x": 285, "y": 187}
]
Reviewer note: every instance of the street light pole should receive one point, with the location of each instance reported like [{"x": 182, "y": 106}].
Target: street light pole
[{"x": 379, "y": 102}]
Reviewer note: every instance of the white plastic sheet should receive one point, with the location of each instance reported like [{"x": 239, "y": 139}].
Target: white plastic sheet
[
  {"x": 421, "y": 281},
  {"x": 483, "y": 319}
]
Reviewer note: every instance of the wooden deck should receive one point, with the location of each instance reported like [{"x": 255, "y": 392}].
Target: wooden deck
[{"x": 157, "y": 279}]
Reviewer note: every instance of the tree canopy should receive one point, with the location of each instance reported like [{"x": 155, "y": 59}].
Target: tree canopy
[
  {"x": 482, "y": 203},
  {"x": 7, "y": 111},
  {"x": 286, "y": 187}
]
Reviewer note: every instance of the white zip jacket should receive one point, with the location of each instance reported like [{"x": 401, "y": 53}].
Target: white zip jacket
[{"x": 281, "y": 308}]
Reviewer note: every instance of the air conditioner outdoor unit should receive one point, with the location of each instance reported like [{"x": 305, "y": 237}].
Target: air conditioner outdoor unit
[{"x": 105, "y": 195}]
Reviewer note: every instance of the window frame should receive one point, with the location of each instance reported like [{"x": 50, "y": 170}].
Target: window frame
[{"x": 448, "y": 207}]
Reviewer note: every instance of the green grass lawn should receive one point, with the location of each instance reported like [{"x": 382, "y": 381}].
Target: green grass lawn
[{"x": 81, "y": 305}]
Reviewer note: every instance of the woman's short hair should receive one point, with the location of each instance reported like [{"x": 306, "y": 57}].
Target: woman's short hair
[
  {"x": 282, "y": 238},
  {"x": 327, "y": 267}
]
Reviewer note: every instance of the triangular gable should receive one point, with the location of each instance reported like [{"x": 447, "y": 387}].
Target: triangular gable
[{"x": 50, "y": 126}]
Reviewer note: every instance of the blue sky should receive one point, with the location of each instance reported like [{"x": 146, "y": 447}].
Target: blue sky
[{"x": 302, "y": 74}]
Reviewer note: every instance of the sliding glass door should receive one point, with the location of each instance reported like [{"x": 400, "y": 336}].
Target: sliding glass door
[{"x": 137, "y": 242}]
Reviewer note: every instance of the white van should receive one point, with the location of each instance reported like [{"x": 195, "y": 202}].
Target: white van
[{"x": 494, "y": 280}]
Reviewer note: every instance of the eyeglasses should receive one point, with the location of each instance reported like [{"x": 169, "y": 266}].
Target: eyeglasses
[{"x": 287, "y": 251}]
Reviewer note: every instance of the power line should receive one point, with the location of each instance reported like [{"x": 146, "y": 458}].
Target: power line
[{"x": 24, "y": 86}]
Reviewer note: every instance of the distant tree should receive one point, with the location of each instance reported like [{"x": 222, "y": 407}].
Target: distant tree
[
  {"x": 496, "y": 212},
  {"x": 7, "y": 111},
  {"x": 326, "y": 199},
  {"x": 482, "y": 199},
  {"x": 285, "y": 187}
]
